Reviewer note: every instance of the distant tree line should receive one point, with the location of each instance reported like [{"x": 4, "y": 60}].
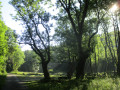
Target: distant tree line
[{"x": 11, "y": 56}]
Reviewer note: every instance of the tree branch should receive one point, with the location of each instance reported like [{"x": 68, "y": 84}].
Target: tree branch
[{"x": 84, "y": 14}]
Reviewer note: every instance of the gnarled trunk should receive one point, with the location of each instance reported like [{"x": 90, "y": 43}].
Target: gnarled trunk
[
  {"x": 82, "y": 58},
  {"x": 45, "y": 70},
  {"x": 80, "y": 66}
]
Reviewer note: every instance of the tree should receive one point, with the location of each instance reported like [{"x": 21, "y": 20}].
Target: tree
[
  {"x": 18, "y": 59},
  {"x": 32, "y": 61},
  {"x": 78, "y": 12},
  {"x": 15, "y": 55},
  {"x": 109, "y": 43},
  {"x": 117, "y": 38},
  {"x": 66, "y": 40},
  {"x": 11, "y": 42},
  {"x": 37, "y": 30},
  {"x": 3, "y": 47}
]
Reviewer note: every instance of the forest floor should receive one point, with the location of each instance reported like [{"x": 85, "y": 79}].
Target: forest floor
[
  {"x": 13, "y": 83},
  {"x": 35, "y": 81}
]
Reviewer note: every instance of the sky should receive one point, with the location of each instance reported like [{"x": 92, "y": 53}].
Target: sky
[{"x": 7, "y": 10}]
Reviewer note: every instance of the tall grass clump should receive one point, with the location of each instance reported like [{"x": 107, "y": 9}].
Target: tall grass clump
[{"x": 105, "y": 84}]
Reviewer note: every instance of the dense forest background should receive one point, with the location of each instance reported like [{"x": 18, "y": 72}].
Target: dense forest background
[{"x": 86, "y": 38}]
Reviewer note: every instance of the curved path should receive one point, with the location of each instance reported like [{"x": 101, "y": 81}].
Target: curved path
[{"x": 13, "y": 83}]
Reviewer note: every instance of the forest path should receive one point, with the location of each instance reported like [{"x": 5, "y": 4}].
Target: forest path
[{"x": 13, "y": 83}]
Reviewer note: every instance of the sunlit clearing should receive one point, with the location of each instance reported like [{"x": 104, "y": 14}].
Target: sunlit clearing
[{"x": 114, "y": 8}]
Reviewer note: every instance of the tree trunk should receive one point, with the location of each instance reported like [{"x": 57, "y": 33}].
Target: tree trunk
[
  {"x": 81, "y": 64},
  {"x": 82, "y": 57},
  {"x": 118, "y": 55},
  {"x": 45, "y": 70},
  {"x": 80, "y": 68},
  {"x": 72, "y": 66},
  {"x": 96, "y": 69},
  {"x": 91, "y": 66}
]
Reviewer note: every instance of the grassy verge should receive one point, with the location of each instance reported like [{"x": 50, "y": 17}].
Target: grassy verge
[
  {"x": 105, "y": 84},
  {"x": 59, "y": 85},
  {"x": 28, "y": 76},
  {"x": 35, "y": 82},
  {"x": 2, "y": 80},
  {"x": 86, "y": 84}
]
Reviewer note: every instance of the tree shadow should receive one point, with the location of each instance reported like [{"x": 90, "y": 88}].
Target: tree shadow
[
  {"x": 2, "y": 80},
  {"x": 64, "y": 84}
]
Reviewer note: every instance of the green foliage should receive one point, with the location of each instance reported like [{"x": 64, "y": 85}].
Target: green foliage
[
  {"x": 105, "y": 84},
  {"x": 14, "y": 54},
  {"x": 18, "y": 59},
  {"x": 32, "y": 62},
  {"x": 104, "y": 59},
  {"x": 3, "y": 47}
]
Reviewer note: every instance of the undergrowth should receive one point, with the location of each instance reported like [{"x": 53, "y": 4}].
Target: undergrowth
[
  {"x": 2, "y": 80},
  {"x": 85, "y": 84},
  {"x": 99, "y": 82}
]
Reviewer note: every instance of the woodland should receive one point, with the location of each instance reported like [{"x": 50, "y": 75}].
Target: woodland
[{"x": 82, "y": 54}]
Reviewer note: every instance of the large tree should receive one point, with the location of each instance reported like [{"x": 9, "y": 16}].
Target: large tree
[
  {"x": 36, "y": 34},
  {"x": 78, "y": 12}
]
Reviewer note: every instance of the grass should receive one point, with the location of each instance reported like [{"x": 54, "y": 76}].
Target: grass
[
  {"x": 36, "y": 82},
  {"x": 58, "y": 85},
  {"x": 105, "y": 84},
  {"x": 28, "y": 76},
  {"x": 95, "y": 84}
]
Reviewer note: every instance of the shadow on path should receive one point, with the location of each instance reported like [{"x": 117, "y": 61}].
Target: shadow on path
[{"x": 13, "y": 83}]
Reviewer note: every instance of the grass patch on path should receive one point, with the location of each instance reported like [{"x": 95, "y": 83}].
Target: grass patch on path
[{"x": 28, "y": 76}]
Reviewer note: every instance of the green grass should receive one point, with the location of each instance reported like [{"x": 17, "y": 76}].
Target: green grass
[
  {"x": 100, "y": 82},
  {"x": 85, "y": 84},
  {"x": 25, "y": 73},
  {"x": 105, "y": 84},
  {"x": 59, "y": 85},
  {"x": 28, "y": 76}
]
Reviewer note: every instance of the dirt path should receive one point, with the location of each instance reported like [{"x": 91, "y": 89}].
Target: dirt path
[{"x": 13, "y": 83}]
